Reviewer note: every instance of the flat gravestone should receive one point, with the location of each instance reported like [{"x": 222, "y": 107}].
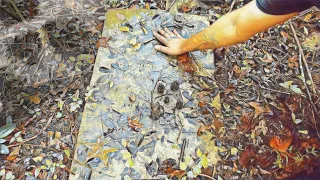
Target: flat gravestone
[{"x": 142, "y": 108}]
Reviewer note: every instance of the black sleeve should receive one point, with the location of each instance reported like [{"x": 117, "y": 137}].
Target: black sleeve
[{"x": 281, "y": 7}]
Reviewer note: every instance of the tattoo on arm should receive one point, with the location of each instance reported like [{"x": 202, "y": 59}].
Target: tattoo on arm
[{"x": 210, "y": 41}]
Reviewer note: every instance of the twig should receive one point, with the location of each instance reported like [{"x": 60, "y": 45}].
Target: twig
[
  {"x": 27, "y": 140},
  {"x": 184, "y": 144},
  {"x": 170, "y": 6},
  {"x": 203, "y": 175},
  {"x": 303, "y": 58},
  {"x": 17, "y": 11},
  {"x": 232, "y": 4}
]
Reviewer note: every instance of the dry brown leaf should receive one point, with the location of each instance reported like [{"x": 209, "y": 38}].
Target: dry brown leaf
[
  {"x": 35, "y": 99},
  {"x": 284, "y": 34},
  {"x": 279, "y": 144},
  {"x": 203, "y": 129},
  {"x": 13, "y": 155},
  {"x": 96, "y": 29},
  {"x": 267, "y": 59},
  {"x": 258, "y": 109},
  {"x": 178, "y": 173},
  {"x": 40, "y": 83},
  {"x": 246, "y": 156},
  {"x": 103, "y": 42}
]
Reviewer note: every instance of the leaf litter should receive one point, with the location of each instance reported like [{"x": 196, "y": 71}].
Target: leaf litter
[{"x": 266, "y": 128}]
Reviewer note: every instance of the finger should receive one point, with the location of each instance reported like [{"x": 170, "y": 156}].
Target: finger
[
  {"x": 162, "y": 49},
  {"x": 177, "y": 34},
  {"x": 169, "y": 32},
  {"x": 164, "y": 33},
  {"x": 162, "y": 39}
]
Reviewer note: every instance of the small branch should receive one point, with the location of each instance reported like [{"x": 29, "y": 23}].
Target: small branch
[
  {"x": 303, "y": 58},
  {"x": 170, "y": 6},
  {"x": 231, "y": 6},
  {"x": 206, "y": 176}
]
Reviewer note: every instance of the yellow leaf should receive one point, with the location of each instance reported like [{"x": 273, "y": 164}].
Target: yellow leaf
[
  {"x": 129, "y": 163},
  {"x": 144, "y": 30},
  {"x": 133, "y": 41},
  {"x": 124, "y": 29},
  {"x": 126, "y": 155},
  {"x": 35, "y": 99},
  {"x": 199, "y": 153},
  {"x": 183, "y": 165},
  {"x": 124, "y": 142},
  {"x": 234, "y": 151},
  {"x": 137, "y": 46},
  {"x": 67, "y": 152},
  {"x": 204, "y": 161},
  {"x": 187, "y": 159},
  {"x": 216, "y": 102},
  {"x": 307, "y": 17},
  {"x": 43, "y": 35}
]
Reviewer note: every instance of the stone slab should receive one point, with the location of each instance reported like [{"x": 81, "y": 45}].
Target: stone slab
[{"x": 141, "y": 105}]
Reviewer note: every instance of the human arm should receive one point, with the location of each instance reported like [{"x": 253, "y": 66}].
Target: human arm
[{"x": 230, "y": 29}]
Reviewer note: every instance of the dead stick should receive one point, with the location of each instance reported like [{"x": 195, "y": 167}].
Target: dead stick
[
  {"x": 303, "y": 58},
  {"x": 232, "y": 4}
]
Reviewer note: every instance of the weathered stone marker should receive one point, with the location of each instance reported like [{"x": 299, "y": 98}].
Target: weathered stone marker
[{"x": 141, "y": 109}]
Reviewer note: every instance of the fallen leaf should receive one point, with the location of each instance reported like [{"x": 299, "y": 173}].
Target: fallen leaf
[
  {"x": 134, "y": 124},
  {"x": 264, "y": 171},
  {"x": 40, "y": 83},
  {"x": 13, "y": 155},
  {"x": 267, "y": 59},
  {"x": 203, "y": 129},
  {"x": 280, "y": 145},
  {"x": 234, "y": 151},
  {"x": 258, "y": 109},
  {"x": 103, "y": 42},
  {"x": 305, "y": 30},
  {"x": 295, "y": 89},
  {"x": 293, "y": 62},
  {"x": 216, "y": 102},
  {"x": 307, "y": 17},
  {"x": 121, "y": 17},
  {"x": 303, "y": 131},
  {"x": 93, "y": 30},
  {"x": 124, "y": 29},
  {"x": 43, "y": 35},
  {"x": 286, "y": 84},
  {"x": 246, "y": 156},
  {"x": 132, "y": 98},
  {"x": 178, "y": 173},
  {"x": 284, "y": 34},
  {"x": 35, "y": 99}
]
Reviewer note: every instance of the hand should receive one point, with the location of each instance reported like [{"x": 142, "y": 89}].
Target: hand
[{"x": 172, "y": 41}]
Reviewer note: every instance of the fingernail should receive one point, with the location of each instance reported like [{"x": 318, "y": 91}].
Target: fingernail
[{"x": 156, "y": 47}]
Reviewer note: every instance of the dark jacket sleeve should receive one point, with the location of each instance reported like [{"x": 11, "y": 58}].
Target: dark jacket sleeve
[{"x": 281, "y": 7}]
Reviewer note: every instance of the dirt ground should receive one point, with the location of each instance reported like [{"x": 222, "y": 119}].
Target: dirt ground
[{"x": 268, "y": 90}]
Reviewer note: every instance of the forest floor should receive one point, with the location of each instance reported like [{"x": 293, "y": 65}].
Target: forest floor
[{"x": 269, "y": 89}]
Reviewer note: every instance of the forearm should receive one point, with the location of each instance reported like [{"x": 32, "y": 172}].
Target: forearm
[{"x": 233, "y": 28}]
